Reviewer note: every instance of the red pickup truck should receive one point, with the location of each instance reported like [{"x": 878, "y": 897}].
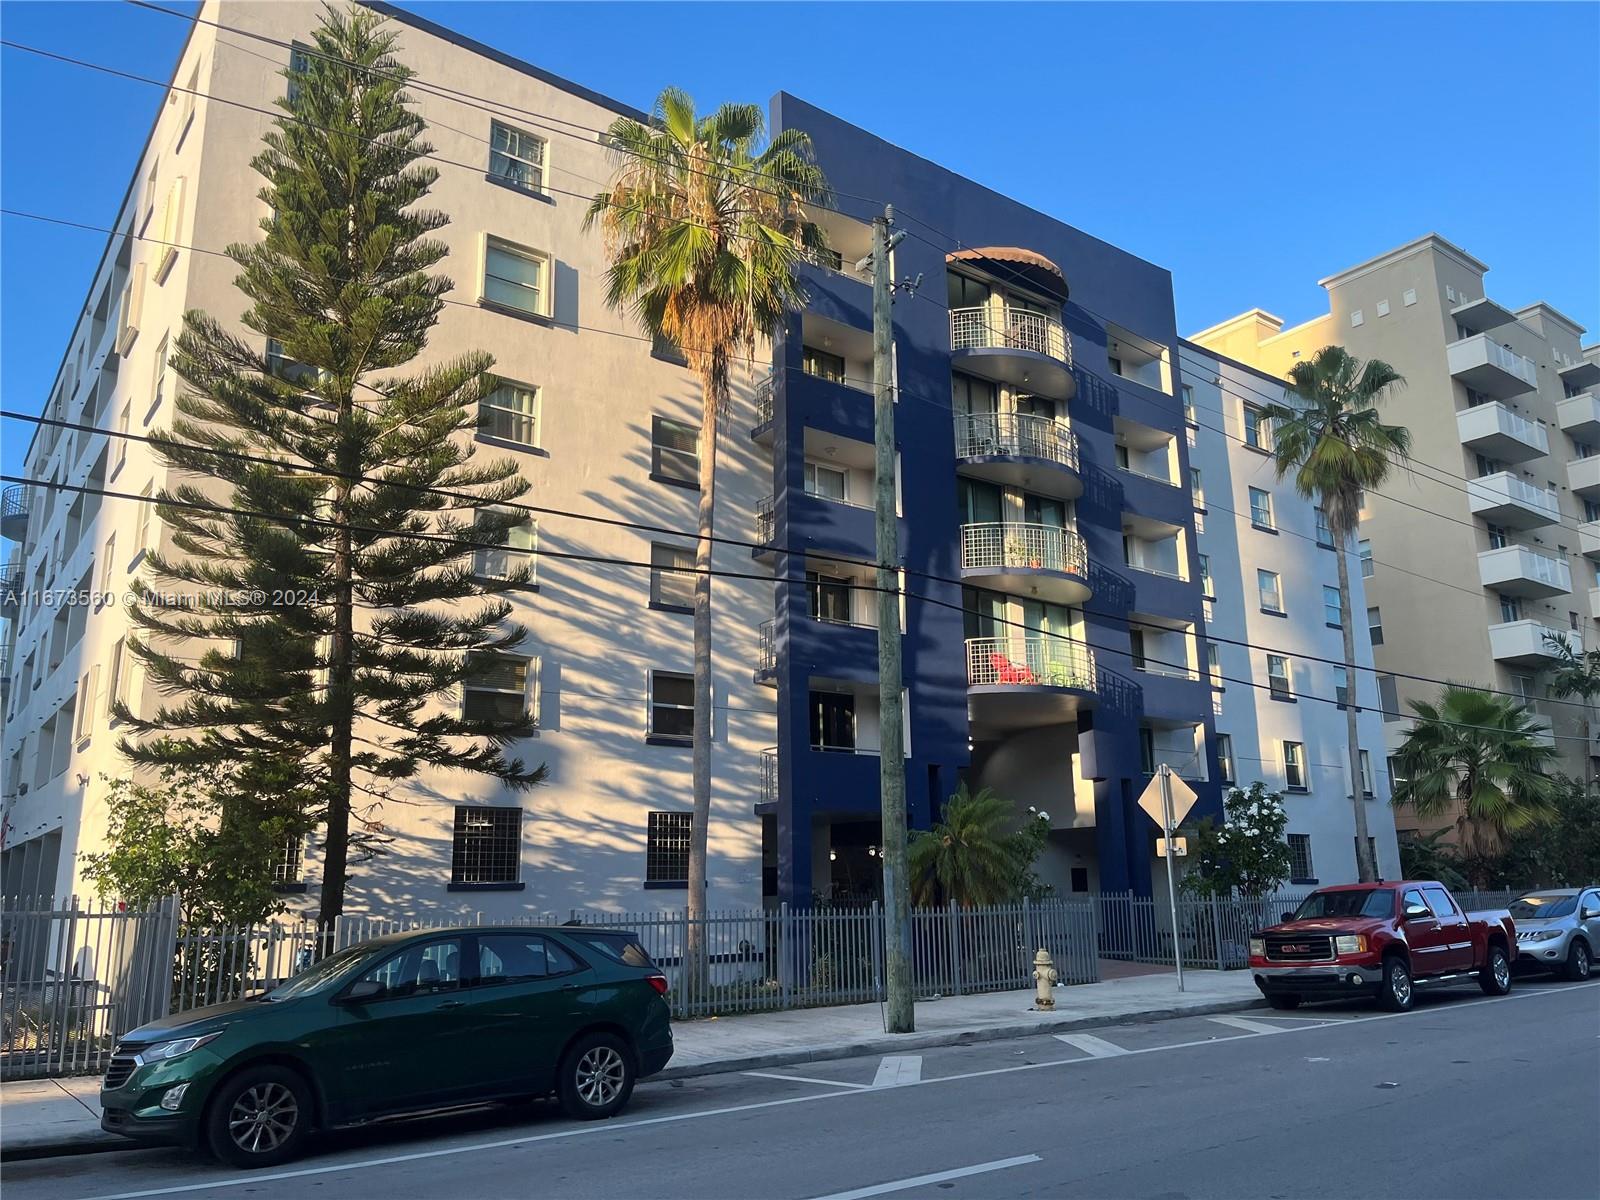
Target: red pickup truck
[{"x": 1384, "y": 940}]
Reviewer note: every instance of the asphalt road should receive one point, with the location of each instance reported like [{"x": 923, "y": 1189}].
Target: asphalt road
[{"x": 1464, "y": 1097}]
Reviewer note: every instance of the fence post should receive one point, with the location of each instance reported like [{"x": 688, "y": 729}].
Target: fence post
[
  {"x": 785, "y": 953},
  {"x": 1028, "y": 943},
  {"x": 875, "y": 938},
  {"x": 1216, "y": 933},
  {"x": 953, "y": 933}
]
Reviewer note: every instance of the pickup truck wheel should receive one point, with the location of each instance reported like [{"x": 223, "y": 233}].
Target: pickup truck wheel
[
  {"x": 1396, "y": 993},
  {"x": 1579, "y": 963},
  {"x": 1283, "y": 1000},
  {"x": 1495, "y": 978}
]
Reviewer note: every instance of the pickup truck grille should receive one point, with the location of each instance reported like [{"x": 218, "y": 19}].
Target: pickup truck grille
[
  {"x": 118, "y": 1070},
  {"x": 1299, "y": 947}
]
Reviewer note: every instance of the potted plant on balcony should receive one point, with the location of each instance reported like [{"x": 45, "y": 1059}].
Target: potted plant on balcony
[{"x": 1016, "y": 551}]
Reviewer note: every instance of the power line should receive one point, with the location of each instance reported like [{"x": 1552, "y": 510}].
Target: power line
[{"x": 466, "y": 544}]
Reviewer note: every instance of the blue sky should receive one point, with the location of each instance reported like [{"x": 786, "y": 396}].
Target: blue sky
[{"x": 1251, "y": 149}]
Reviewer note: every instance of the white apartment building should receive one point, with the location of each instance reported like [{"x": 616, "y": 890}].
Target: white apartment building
[
  {"x": 1272, "y": 616},
  {"x": 1487, "y": 550},
  {"x": 595, "y": 421}
]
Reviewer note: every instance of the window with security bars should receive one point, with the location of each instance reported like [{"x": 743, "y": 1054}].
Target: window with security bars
[
  {"x": 289, "y": 864},
  {"x": 671, "y": 576},
  {"x": 511, "y": 414},
  {"x": 666, "y": 858},
  {"x": 486, "y": 846},
  {"x": 495, "y": 688},
  {"x": 516, "y": 157},
  {"x": 674, "y": 451},
  {"x": 1300, "y": 857}
]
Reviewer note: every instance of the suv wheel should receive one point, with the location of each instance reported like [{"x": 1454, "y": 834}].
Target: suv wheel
[
  {"x": 1396, "y": 993},
  {"x": 1578, "y": 961},
  {"x": 1495, "y": 978},
  {"x": 597, "y": 1077},
  {"x": 259, "y": 1118}
]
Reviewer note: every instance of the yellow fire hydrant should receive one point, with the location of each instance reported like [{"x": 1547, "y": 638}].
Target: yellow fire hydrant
[{"x": 1045, "y": 976}]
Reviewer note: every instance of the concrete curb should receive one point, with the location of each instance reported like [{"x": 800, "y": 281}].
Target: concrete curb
[
  {"x": 895, "y": 1043},
  {"x": 98, "y": 1142}
]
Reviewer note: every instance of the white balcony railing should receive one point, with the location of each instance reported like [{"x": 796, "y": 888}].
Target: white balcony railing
[
  {"x": 1501, "y": 433},
  {"x": 766, "y": 522},
  {"x": 763, "y": 400},
  {"x": 1499, "y": 496},
  {"x": 1015, "y": 544},
  {"x": 1030, "y": 660},
  {"x": 1484, "y": 364},
  {"x": 985, "y": 328},
  {"x": 769, "y": 775},
  {"x": 1024, "y": 435},
  {"x": 767, "y": 649}
]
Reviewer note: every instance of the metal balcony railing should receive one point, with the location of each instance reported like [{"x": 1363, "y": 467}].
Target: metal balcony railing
[
  {"x": 984, "y": 328},
  {"x": 769, "y": 775},
  {"x": 1001, "y": 544},
  {"x": 1030, "y": 660},
  {"x": 767, "y": 650},
  {"x": 1020, "y": 434},
  {"x": 763, "y": 401},
  {"x": 766, "y": 522}
]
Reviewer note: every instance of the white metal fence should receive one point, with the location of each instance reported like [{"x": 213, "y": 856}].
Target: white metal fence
[
  {"x": 1022, "y": 545},
  {"x": 1024, "y": 435},
  {"x": 1029, "y": 660},
  {"x": 1009, "y": 328}
]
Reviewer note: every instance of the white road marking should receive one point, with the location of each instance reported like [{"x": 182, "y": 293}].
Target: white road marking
[
  {"x": 897, "y": 1070},
  {"x": 1247, "y": 1023},
  {"x": 614, "y": 1127},
  {"x": 901, "y": 1185},
  {"x": 804, "y": 1079},
  {"x": 1091, "y": 1045},
  {"x": 1329, "y": 1020}
]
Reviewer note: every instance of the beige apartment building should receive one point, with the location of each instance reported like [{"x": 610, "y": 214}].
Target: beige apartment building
[{"x": 1485, "y": 552}]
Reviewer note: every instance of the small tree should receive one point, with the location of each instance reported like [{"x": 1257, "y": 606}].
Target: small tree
[
  {"x": 1246, "y": 855},
  {"x": 975, "y": 854},
  {"x": 1429, "y": 856}
]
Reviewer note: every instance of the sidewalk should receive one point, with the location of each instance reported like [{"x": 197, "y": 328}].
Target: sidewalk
[{"x": 45, "y": 1117}]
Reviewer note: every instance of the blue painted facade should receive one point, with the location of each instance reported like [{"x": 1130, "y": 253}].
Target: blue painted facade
[{"x": 1105, "y": 284}]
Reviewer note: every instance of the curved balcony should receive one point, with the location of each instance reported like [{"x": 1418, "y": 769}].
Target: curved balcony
[
  {"x": 1025, "y": 680},
  {"x": 14, "y": 512},
  {"x": 1042, "y": 562},
  {"x": 1021, "y": 450},
  {"x": 1014, "y": 346}
]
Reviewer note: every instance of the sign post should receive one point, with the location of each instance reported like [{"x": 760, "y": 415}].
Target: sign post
[{"x": 1168, "y": 800}]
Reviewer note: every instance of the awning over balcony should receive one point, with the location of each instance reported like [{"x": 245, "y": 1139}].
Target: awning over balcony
[{"x": 1027, "y": 267}]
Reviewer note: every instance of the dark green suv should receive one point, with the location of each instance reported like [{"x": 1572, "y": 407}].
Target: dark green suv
[{"x": 399, "y": 1024}]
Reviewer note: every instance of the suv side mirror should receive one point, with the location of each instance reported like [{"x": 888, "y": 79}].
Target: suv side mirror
[
  {"x": 1416, "y": 912},
  {"x": 1590, "y": 914},
  {"x": 362, "y": 990}
]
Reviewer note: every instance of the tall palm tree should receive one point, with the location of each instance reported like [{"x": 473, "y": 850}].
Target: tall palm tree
[
  {"x": 704, "y": 222},
  {"x": 969, "y": 855},
  {"x": 1480, "y": 754},
  {"x": 1327, "y": 432}
]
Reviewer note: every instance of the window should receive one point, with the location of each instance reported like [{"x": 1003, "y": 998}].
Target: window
[
  {"x": 1383, "y": 308},
  {"x": 674, "y": 452},
  {"x": 1147, "y": 751},
  {"x": 289, "y": 865},
  {"x": 107, "y": 563},
  {"x": 1206, "y": 588},
  {"x": 1389, "y": 698},
  {"x": 1188, "y": 404},
  {"x": 1510, "y": 608},
  {"x": 1330, "y": 607},
  {"x": 1136, "y": 648},
  {"x": 487, "y": 845},
  {"x": 1366, "y": 774},
  {"x": 514, "y": 548},
  {"x": 1278, "y": 680},
  {"x": 1225, "y": 757},
  {"x": 1364, "y": 552},
  {"x": 520, "y": 958},
  {"x": 833, "y": 721},
  {"x": 1300, "y": 858},
  {"x": 421, "y": 969},
  {"x": 158, "y": 376},
  {"x": 1270, "y": 590},
  {"x": 88, "y": 686},
  {"x": 829, "y": 597},
  {"x": 1591, "y": 510},
  {"x": 129, "y": 306},
  {"x": 1324, "y": 531},
  {"x": 671, "y": 706},
  {"x": 1214, "y": 664},
  {"x": 666, "y": 856},
  {"x": 1261, "y": 508},
  {"x": 114, "y": 676},
  {"x": 516, "y": 277},
  {"x": 1341, "y": 694},
  {"x": 1196, "y": 492},
  {"x": 1294, "y": 766},
  {"x": 119, "y": 452},
  {"x": 171, "y": 234},
  {"x": 1408, "y": 297},
  {"x": 671, "y": 576},
  {"x": 1439, "y": 901},
  {"x": 149, "y": 198},
  {"x": 516, "y": 157},
  {"x": 828, "y": 482},
  {"x": 1375, "y": 626},
  {"x": 1396, "y": 775},
  {"x": 664, "y": 348},
  {"x": 495, "y": 687},
  {"x": 511, "y": 413},
  {"x": 1356, "y": 319},
  {"x": 822, "y": 364},
  {"x": 1257, "y": 429},
  {"x": 186, "y": 102},
  {"x": 299, "y": 64}
]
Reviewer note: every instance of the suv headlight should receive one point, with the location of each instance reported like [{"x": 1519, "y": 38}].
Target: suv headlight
[
  {"x": 1543, "y": 935},
  {"x": 1350, "y": 943},
  {"x": 162, "y": 1051},
  {"x": 1258, "y": 947}
]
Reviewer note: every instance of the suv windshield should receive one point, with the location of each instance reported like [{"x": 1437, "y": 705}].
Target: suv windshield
[
  {"x": 1377, "y": 902},
  {"x": 1543, "y": 908},
  {"x": 319, "y": 975}
]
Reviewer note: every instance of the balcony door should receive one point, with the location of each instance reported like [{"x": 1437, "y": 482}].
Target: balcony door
[
  {"x": 979, "y": 501},
  {"x": 833, "y": 721}
]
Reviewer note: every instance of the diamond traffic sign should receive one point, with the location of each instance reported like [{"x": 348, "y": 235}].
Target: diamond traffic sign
[{"x": 1183, "y": 799}]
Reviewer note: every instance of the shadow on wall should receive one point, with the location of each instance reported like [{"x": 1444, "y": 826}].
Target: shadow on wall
[{"x": 1095, "y": 396}]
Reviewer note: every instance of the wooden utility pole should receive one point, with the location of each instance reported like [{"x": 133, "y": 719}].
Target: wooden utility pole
[{"x": 900, "y": 1014}]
